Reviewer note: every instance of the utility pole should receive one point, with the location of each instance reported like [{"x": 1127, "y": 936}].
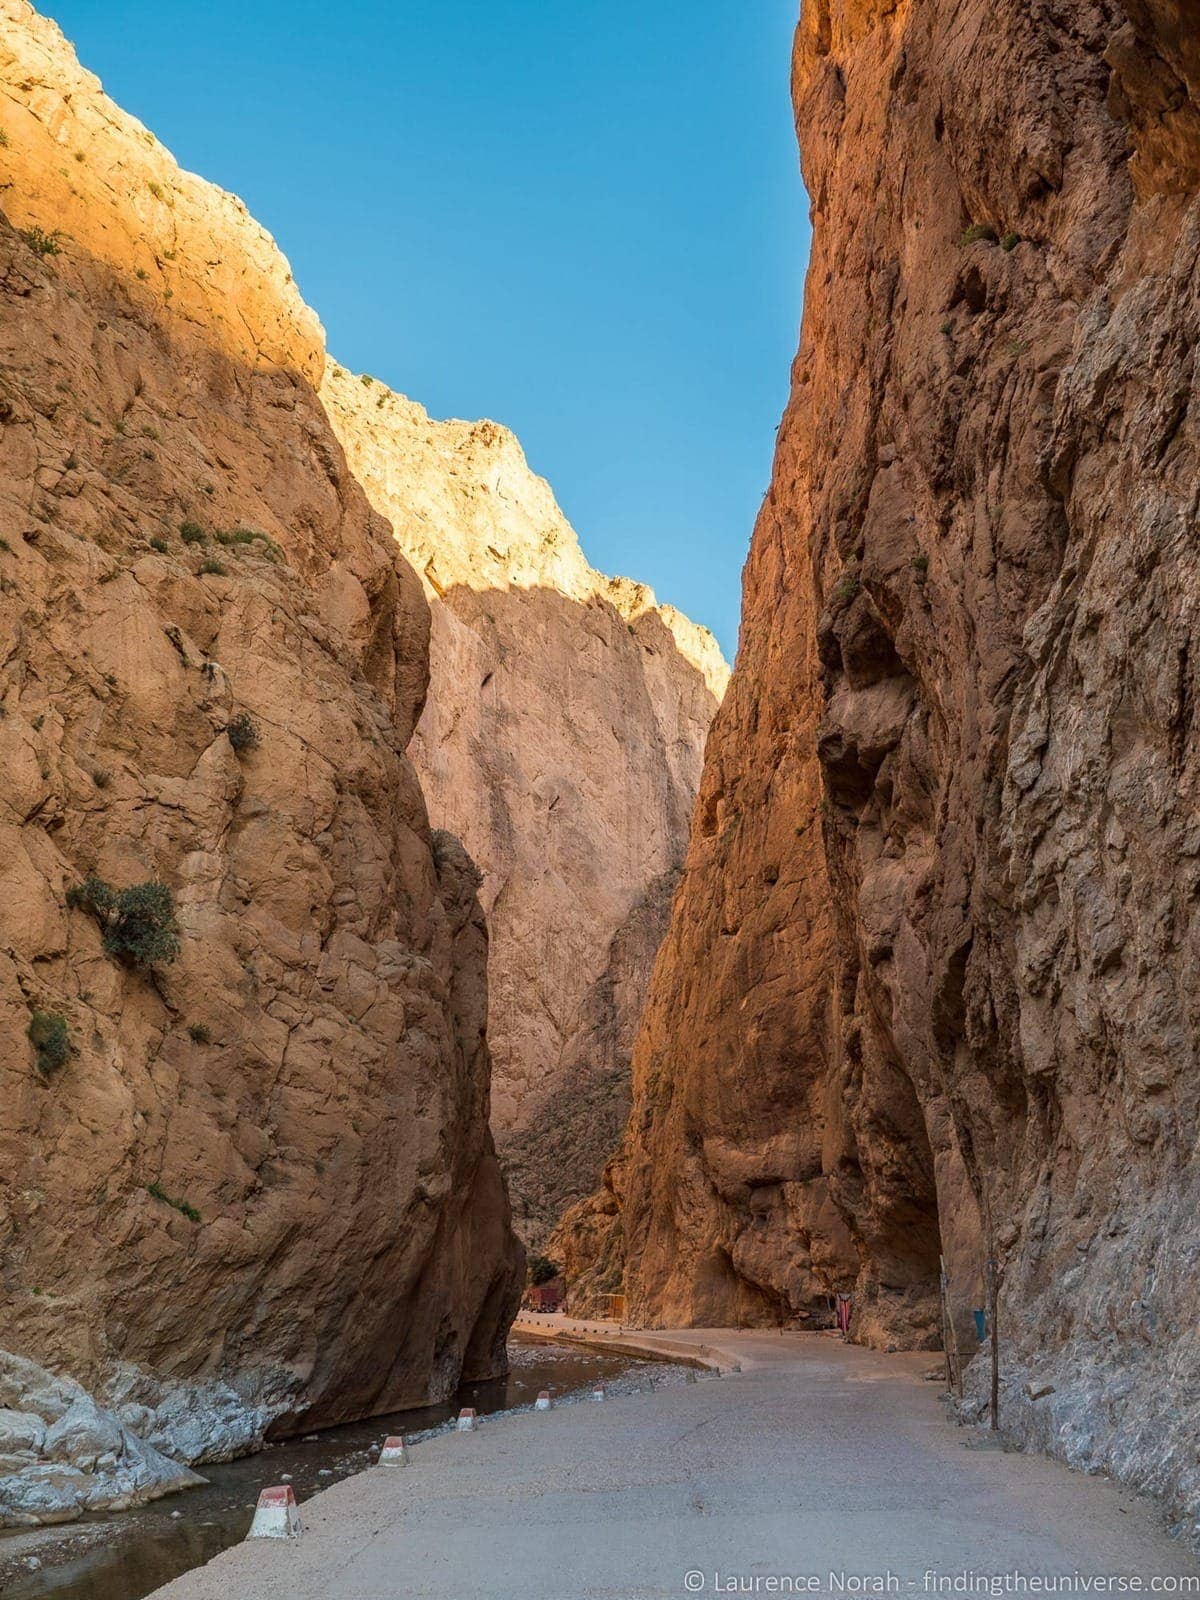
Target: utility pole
[{"x": 950, "y": 1336}]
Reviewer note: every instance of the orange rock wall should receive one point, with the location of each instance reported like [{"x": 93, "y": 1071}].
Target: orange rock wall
[
  {"x": 931, "y": 983},
  {"x": 311, "y": 1075}
]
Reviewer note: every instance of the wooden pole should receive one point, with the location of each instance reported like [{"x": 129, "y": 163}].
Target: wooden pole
[
  {"x": 994, "y": 1319},
  {"x": 950, "y": 1335},
  {"x": 946, "y": 1324}
]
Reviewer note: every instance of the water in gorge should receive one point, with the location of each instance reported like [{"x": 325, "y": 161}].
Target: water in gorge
[{"x": 126, "y": 1555}]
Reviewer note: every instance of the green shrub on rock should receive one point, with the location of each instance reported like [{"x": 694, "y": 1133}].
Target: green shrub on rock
[
  {"x": 50, "y": 1039},
  {"x": 138, "y": 923},
  {"x": 242, "y": 732}
]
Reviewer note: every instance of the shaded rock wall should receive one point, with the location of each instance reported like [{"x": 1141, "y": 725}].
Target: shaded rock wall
[
  {"x": 562, "y": 739},
  {"x": 932, "y": 978},
  {"x": 267, "y": 1164}
]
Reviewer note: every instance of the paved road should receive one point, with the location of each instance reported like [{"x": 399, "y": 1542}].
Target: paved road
[{"x": 817, "y": 1459}]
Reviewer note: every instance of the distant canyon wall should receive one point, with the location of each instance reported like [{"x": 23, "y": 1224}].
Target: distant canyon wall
[
  {"x": 253, "y": 1186},
  {"x": 932, "y": 979},
  {"x": 562, "y": 740}
]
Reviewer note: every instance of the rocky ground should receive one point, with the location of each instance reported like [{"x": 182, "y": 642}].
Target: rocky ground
[{"x": 61, "y": 1454}]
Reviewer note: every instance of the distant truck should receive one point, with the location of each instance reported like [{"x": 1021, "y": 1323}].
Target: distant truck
[{"x": 546, "y": 1296}]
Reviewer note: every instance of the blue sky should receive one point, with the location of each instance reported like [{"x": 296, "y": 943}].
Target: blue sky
[{"x": 583, "y": 218}]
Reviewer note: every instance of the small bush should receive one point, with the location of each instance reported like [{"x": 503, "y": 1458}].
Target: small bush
[
  {"x": 101, "y": 778},
  {"x": 849, "y": 586},
  {"x": 367, "y": 379},
  {"x": 157, "y": 1192},
  {"x": 542, "y": 1270},
  {"x": 920, "y": 565},
  {"x": 979, "y": 233},
  {"x": 49, "y": 1037},
  {"x": 138, "y": 923},
  {"x": 191, "y": 533},
  {"x": 214, "y": 569},
  {"x": 198, "y": 1033},
  {"x": 233, "y": 537},
  {"x": 6, "y": 547},
  {"x": 4, "y": 140},
  {"x": 92, "y": 895},
  {"x": 160, "y": 545},
  {"x": 242, "y": 732},
  {"x": 1010, "y": 241},
  {"x": 41, "y": 243},
  {"x": 156, "y": 189}
]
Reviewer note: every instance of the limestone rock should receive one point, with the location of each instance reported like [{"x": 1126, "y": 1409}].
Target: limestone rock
[
  {"x": 61, "y": 1454},
  {"x": 561, "y": 739},
  {"x": 257, "y": 1187},
  {"x": 932, "y": 977}
]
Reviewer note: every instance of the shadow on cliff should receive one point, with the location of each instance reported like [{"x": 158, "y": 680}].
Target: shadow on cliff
[
  {"x": 588, "y": 806},
  {"x": 319, "y": 1266},
  {"x": 574, "y": 1125}
]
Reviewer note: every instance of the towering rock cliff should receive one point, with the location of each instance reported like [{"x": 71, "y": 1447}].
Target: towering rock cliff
[
  {"x": 562, "y": 740},
  {"x": 253, "y": 1184},
  {"x": 932, "y": 980}
]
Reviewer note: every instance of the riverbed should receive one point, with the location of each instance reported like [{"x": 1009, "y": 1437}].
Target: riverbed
[{"x": 127, "y": 1555}]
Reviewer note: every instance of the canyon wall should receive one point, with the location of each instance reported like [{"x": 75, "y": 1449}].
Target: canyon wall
[
  {"x": 254, "y": 1185},
  {"x": 562, "y": 740},
  {"x": 932, "y": 981}
]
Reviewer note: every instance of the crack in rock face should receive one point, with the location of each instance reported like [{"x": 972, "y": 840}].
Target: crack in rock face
[{"x": 929, "y": 992}]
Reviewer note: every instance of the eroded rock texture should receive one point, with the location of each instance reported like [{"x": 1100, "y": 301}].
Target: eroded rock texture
[
  {"x": 932, "y": 981},
  {"x": 562, "y": 739},
  {"x": 266, "y": 1166}
]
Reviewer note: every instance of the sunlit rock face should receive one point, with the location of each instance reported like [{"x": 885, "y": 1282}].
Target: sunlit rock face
[
  {"x": 932, "y": 979},
  {"x": 263, "y": 1173},
  {"x": 562, "y": 739}
]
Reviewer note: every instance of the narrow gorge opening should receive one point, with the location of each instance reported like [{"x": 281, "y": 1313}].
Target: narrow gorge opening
[{"x": 413, "y": 932}]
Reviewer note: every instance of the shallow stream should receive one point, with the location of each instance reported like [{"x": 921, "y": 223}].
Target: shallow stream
[{"x": 126, "y": 1555}]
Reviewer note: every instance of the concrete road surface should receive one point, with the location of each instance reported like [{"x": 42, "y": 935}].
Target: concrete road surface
[{"x": 820, "y": 1468}]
